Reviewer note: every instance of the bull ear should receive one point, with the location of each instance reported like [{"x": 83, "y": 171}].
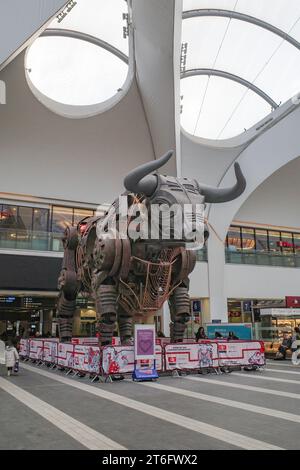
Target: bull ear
[
  {"x": 217, "y": 195},
  {"x": 140, "y": 179}
]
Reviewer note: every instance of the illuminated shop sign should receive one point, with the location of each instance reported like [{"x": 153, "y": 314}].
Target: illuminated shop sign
[
  {"x": 287, "y": 245},
  {"x": 7, "y": 300},
  {"x": 30, "y": 303}
]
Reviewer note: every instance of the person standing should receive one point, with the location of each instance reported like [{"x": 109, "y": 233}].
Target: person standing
[
  {"x": 232, "y": 336},
  {"x": 11, "y": 357},
  {"x": 200, "y": 334}
]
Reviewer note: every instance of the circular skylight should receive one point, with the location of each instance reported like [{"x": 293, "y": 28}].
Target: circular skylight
[
  {"x": 81, "y": 59},
  {"x": 240, "y": 61}
]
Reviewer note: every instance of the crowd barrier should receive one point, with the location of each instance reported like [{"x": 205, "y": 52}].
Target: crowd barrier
[
  {"x": 189, "y": 356},
  {"x": 112, "y": 360}
]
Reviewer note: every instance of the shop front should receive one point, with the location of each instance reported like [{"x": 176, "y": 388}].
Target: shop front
[
  {"x": 248, "y": 310},
  {"x": 24, "y": 316},
  {"x": 274, "y": 323}
]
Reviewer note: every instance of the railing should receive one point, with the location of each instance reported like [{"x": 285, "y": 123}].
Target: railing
[
  {"x": 270, "y": 333},
  {"x": 11, "y": 239},
  {"x": 287, "y": 260}
]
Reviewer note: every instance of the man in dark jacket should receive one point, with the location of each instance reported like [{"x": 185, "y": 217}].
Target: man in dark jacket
[{"x": 285, "y": 345}]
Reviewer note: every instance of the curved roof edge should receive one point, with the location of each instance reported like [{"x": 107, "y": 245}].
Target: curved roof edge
[
  {"x": 232, "y": 77},
  {"x": 242, "y": 17},
  {"x": 69, "y": 33}
]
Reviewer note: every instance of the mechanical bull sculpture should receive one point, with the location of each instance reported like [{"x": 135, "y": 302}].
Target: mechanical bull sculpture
[{"x": 128, "y": 277}]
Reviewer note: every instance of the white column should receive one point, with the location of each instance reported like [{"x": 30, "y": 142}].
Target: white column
[
  {"x": 166, "y": 318},
  {"x": 216, "y": 276}
]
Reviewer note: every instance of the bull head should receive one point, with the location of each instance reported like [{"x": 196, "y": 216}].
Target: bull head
[
  {"x": 141, "y": 180},
  {"x": 185, "y": 199}
]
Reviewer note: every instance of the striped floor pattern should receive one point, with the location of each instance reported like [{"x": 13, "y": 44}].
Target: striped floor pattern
[{"x": 241, "y": 410}]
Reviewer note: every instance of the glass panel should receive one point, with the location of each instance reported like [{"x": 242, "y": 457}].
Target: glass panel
[
  {"x": 243, "y": 37},
  {"x": 24, "y": 231},
  {"x": 241, "y": 108},
  {"x": 248, "y": 239},
  {"x": 297, "y": 243},
  {"x": 61, "y": 218},
  {"x": 287, "y": 243},
  {"x": 261, "y": 240},
  {"x": 249, "y": 110},
  {"x": 25, "y": 218},
  {"x": 285, "y": 66},
  {"x": 195, "y": 4},
  {"x": 40, "y": 220},
  {"x": 77, "y": 72},
  {"x": 234, "y": 239},
  {"x": 80, "y": 214},
  {"x": 85, "y": 66},
  {"x": 193, "y": 92},
  {"x": 213, "y": 116},
  {"x": 203, "y": 36},
  {"x": 8, "y": 216},
  {"x": 274, "y": 242},
  {"x": 220, "y": 43},
  {"x": 281, "y": 14}
]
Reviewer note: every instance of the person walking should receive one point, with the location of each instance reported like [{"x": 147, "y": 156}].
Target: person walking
[{"x": 11, "y": 358}]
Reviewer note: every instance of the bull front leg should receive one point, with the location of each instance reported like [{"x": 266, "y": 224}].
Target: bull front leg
[
  {"x": 68, "y": 286},
  {"x": 179, "y": 303},
  {"x": 66, "y": 311},
  {"x": 125, "y": 321},
  {"x": 106, "y": 310}
]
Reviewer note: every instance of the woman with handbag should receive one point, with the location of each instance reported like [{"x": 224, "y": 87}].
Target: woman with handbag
[{"x": 11, "y": 359}]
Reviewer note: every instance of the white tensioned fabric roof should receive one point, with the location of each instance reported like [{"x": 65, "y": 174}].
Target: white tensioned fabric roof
[
  {"x": 66, "y": 63},
  {"x": 242, "y": 60}
]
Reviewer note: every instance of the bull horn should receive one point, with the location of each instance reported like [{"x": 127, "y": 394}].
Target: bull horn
[
  {"x": 216, "y": 195},
  {"x": 140, "y": 180}
]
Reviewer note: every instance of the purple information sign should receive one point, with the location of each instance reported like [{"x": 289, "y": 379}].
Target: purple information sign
[{"x": 145, "y": 342}]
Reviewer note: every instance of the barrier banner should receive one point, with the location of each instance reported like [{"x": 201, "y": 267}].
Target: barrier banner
[
  {"x": 191, "y": 355},
  {"x": 117, "y": 359},
  {"x": 208, "y": 354},
  {"x": 241, "y": 353},
  {"x": 24, "y": 348},
  {"x": 120, "y": 359},
  {"x": 36, "y": 349},
  {"x": 65, "y": 355},
  {"x": 163, "y": 341},
  {"x": 116, "y": 341},
  {"x": 50, "y": 351},
  {"x": 85, "y": 341},
  {"x": 87, "y": 359}
]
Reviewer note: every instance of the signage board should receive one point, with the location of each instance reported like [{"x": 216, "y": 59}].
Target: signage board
[
  {"x": 144, "y": 353},
  {"x": 241, "y": 330}
]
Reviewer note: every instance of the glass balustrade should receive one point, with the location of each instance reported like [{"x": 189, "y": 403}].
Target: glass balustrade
[
  {"x": 259, "y": 258},
  {"x": 11, "y": 239}
]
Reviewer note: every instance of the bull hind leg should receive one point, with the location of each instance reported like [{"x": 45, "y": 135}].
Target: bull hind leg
[
  {"x": 180, "y": 312},
  {"x": 106, "y": 310},
  {"x": 125, "y": 321}
]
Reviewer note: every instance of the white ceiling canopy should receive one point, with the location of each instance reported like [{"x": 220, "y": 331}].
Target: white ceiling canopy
[
  {"x": 82, "y": 57},
  {"x": 242, "y": 60}
]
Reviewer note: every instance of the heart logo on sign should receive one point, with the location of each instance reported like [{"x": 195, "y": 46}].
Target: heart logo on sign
[{"x": 145, "y": 345}]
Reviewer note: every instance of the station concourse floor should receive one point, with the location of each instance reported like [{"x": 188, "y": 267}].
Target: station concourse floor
[{"x": 45, "y": 409}]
